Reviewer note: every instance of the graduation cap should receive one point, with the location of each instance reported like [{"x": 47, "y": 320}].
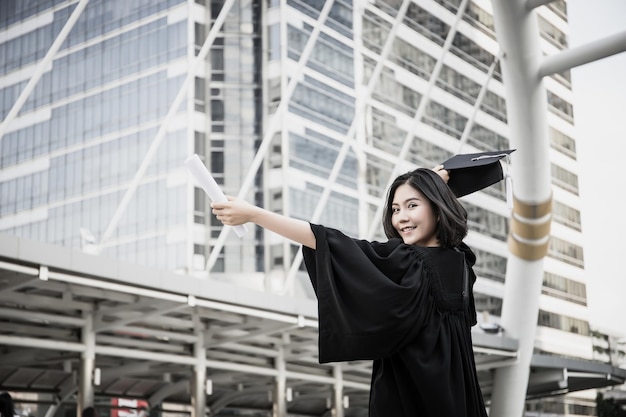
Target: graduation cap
[{"x": 474, "y": 171}]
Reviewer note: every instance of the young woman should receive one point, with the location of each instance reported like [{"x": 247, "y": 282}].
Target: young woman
[{"x": 406, "y": 303}]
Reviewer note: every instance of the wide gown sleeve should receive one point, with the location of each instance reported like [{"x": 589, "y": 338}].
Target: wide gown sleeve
[{"x": 373, "y": 298}]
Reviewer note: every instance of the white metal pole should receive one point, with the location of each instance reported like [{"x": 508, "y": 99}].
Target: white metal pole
[{"x": 518, "y": 35}]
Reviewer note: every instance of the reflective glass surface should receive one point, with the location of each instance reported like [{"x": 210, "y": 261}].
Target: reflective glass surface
[{"x": 90, "y": 122}]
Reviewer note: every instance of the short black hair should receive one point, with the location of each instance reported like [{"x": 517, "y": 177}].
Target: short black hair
[
  {"x": 451, "y": 228},
  {"x": 89, "y": 412},
  {"x": 7, "y": 408}
]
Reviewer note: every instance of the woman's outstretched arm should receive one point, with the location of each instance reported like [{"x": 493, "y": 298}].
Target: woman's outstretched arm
[{"x": 236, "y": 211}]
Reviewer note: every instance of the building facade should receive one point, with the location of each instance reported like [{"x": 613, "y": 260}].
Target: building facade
[{"x": 308, "y": 108}]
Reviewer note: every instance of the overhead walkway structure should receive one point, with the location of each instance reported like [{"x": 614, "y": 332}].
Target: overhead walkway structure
[{"x": 78, "y": 327}]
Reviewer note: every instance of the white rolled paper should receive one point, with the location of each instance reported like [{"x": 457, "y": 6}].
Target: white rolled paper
[{"x": 210, "y": 187}]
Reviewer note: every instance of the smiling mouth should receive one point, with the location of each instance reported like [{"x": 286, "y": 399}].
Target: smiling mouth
[{"x": 407, "y": 229}]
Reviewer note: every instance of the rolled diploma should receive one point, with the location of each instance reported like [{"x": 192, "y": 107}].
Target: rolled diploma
[{"x": 208, "y": 184}]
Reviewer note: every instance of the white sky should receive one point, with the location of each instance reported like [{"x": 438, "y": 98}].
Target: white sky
[{"x": 600, "y": 118}]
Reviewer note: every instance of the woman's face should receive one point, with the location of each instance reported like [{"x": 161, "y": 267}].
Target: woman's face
[{"x": 412, "y": 216}]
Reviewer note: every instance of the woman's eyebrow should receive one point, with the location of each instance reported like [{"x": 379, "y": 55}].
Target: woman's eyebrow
[{"x": 407, "y": 200}]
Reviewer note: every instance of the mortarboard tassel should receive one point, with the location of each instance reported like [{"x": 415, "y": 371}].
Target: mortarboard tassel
[{"x": 508, "y": 184}]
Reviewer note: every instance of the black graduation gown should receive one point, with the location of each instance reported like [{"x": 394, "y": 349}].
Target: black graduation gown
[{"x": 403, "y": 307}]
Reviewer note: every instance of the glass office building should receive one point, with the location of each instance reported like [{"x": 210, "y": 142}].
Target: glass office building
[{"x": 95, "y": 157}]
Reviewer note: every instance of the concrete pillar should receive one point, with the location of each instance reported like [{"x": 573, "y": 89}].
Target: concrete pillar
[
  {"x": 87, "y": 365},
  {"x": 279, "y": 408},
  {"x": 198, "y": 387},
  {"x": 338, "y": 406}
]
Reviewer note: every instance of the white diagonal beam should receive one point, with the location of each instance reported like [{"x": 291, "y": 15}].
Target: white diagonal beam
[
  {"x": 170, "y": 335},
  {"x": 141, "y": 344},
  {"x": 67, "y": 390},
  {"x": 102, "y": 326},
  {"x": 164, "y": 392},
  {"x": 421, "y": 108},
  {"x": 22, "y": 356},
  {"x": 479, "y": 100},
  {"x": 128, "y": 369},
  {"x": 132, "y": 306},
  {"x": 41, "y": 67},
  {"x": 269, "y": 330},
  {"x": 356, "y": 121},
  {"x": 20, "y": 284},
  {"x": 29, "y": 342},
  {"x": 273, "y": 126},
  {"x": 533, "y": 4},
  {"x": 41, "y": 317},
  {"x": 154, "y": 145}
]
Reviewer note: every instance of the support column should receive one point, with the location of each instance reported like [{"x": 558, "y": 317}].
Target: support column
[
  {"x": 87, "y": 365},
  {"x": 198, "y": 389},
  {"x": 518, "y": 35},
  {"x": 338, "y": 391},
  {"x": 279, "y": 408}
]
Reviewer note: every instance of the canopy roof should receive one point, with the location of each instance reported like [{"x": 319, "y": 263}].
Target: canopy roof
[{"x": 146, "y": 322}]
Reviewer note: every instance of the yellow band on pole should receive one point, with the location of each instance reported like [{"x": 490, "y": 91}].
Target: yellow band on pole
[
  {"x": 529, "y": 236},
  {"x": 527, "y": 230},
  {"x": 532, "y": 210},
  {"x": 528, "y": 251}
]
